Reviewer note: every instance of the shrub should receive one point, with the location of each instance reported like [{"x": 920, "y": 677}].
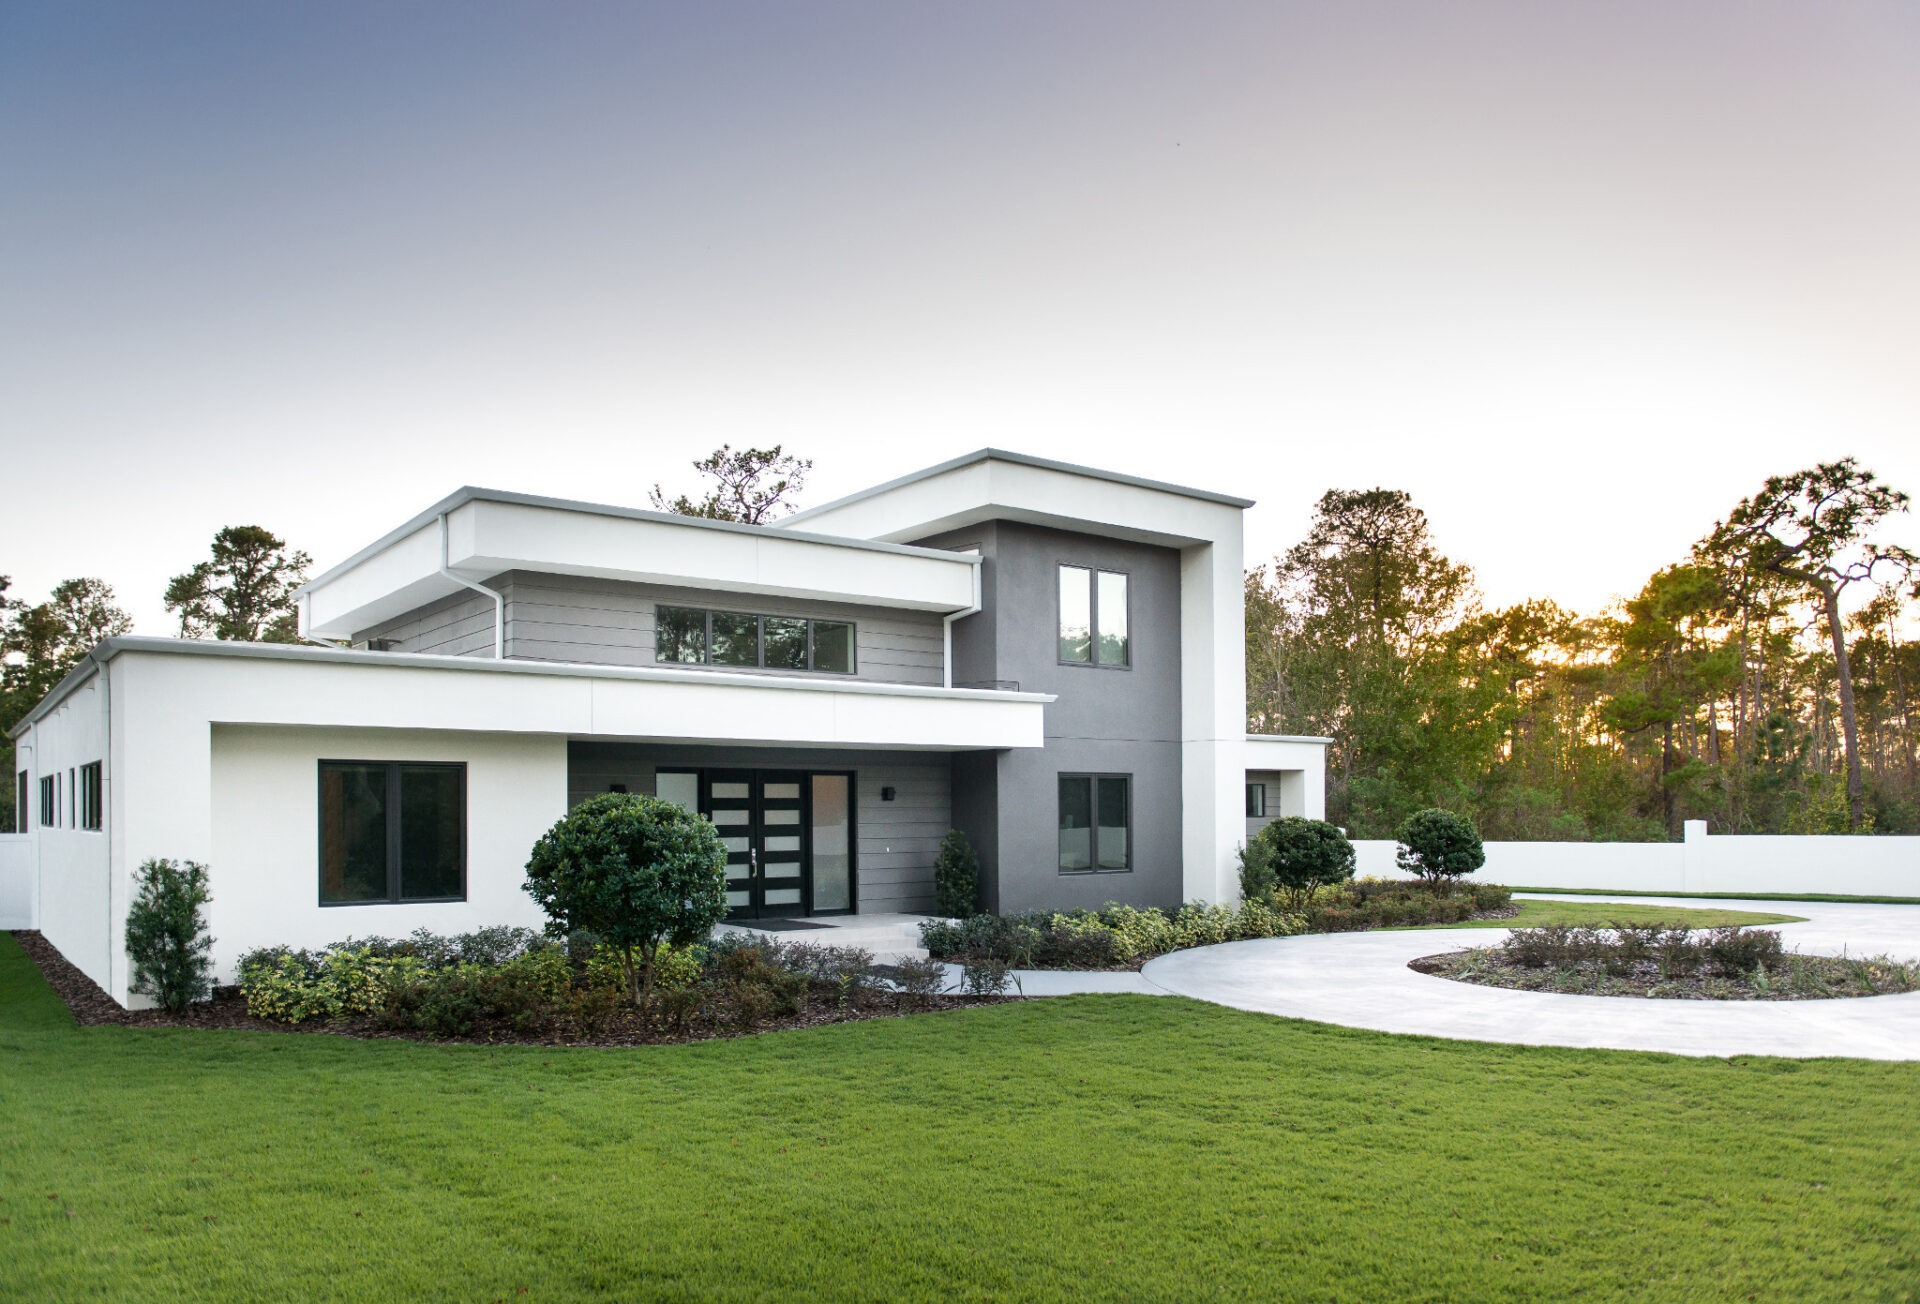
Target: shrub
[
  {"x": 916, "y": 979},
  {"x": 1735, "y": 952},
  {"x": 983, "y": 976},
  {"x": 167, "y": 941},
  {"x": 748, "y": 984},
  {"x": 674, "y": 967},
  {"x": 1293, "y": 857},
  {"x": 458, "y": 999},
  {"x": 1197, "y": 924},
  {"x": 1137, "y": 932},
  {"x": 956, "y": 876},
  {"x": 1078, "y": 941},
  {"x": 638, "y": 872},
  {"x": 1258, "y": 919},
  {"x": 342, "y": 981},
  {"x": 1439, "y": 845}
]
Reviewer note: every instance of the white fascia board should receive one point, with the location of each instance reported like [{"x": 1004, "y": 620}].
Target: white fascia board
[
  {"x": 488, "y": 535},
  {"x": 318, "y": 688},
  {"x": 1038, "y": 493},
  {"x": 1278, "y": 753}
]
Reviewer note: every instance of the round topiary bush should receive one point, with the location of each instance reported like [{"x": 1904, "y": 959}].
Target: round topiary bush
[
  {"x": 636, "y": 872},
  {"x": 1439, "y": 845},
  {"x": 1292, "y": 857}
]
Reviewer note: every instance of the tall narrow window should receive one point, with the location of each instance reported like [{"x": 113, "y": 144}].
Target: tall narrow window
[
  {"x": 22, "y": 816},
  {"x": 73, "y": 812},
  {"x": 1093, "y": 617},
  {"x": 1256, "y": 801},
  {"x": 392, "y": 831},
  {"x": 90, "y": 812},
  {"x": 49, "y": 799},
  {"x": 1096, "y": 823},
  {"x": 832, "y": 842}
]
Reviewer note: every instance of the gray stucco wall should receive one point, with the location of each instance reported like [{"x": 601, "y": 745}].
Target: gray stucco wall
[
  {"x": 894, "y": 841},
  {"x": 610, "y": 622},
  {"x": 1107, "y": 721}
]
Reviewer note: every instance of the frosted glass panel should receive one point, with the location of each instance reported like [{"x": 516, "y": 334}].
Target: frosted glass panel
[
  {"x": 781, "y": 791},
  {"x": 734, "y": 790},
  {"x": 683, "y": 790},
  {"x": 832, "y": 852},
  {"x": 787, "y": 842},
  {"x": 737, "y": 899},
  {"x": 784, "y": 897},
  {"x": 734, "y": 844},
  {"x": 780, "y": 816},
  {"x": 730, "y": 817}
]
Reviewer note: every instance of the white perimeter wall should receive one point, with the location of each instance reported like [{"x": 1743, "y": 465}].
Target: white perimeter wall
[
  {"x": 1844, "y": 866},
  {"x": 265, "y": 866},
  {"x": 16, "y": 881},
  {"x": 71, "y": 872}
]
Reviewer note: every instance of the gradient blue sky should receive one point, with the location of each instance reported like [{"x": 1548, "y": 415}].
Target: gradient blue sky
[{"x": 1576, "y": 276}]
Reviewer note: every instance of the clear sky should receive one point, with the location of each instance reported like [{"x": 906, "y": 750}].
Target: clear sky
[{"x": 1576, "y": 276}]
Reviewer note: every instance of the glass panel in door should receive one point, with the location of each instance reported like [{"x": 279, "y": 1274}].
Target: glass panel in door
[
  {"x": 782, "y": 861},
  {"x": 730, "y": 807}
]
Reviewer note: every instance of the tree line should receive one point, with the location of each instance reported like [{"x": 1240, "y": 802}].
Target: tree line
[{"x": 1766, "y": 682}]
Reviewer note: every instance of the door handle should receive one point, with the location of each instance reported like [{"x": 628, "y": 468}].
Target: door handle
[{"x": 753, "y": 862}]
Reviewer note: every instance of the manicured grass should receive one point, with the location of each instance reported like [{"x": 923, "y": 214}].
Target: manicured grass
[
  {"x": 1088, "y": 1148},
  {"x": 1598, "y": 914},
  {"x": 1729, "y": 896}
]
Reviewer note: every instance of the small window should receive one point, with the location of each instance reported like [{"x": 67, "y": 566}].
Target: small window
[
  {"x": 736, "y": 639},
  {"x": 72, "y": 806},
  {"x": 1256, "y": 801},
  {"x": 22, "y": 815},
  {"x": 680, "y": 635},
  {"x": 785, "y": 640},
  {"x": 1096, "y": 823},
  {"x": 1093, "y": 618},
  {"x": 49, "y": 799},
  {"x": 833, "y": 646},
  {"x": 392, "y": 831},
  {"x": 90, "y": 813}
]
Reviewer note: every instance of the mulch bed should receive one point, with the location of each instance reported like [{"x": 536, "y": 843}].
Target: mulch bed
[
  {"x": 92, "y": 1007},
  {"x": 1819, "y": 978}
]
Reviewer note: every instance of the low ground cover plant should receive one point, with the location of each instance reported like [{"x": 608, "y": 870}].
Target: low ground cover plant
[
  {"x": 515, "y": 984},
  {"x": 1655, "y": 960}
]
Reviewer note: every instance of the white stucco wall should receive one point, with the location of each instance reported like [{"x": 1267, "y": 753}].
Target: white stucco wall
[
  {"x": 265, "y": 850},
  {"x": 1769, "y": 864},
  {"x": 72, "y": 880}
]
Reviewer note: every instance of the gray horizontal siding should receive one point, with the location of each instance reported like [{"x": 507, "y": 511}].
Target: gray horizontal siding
[
  {"x": 563, "y": 618},
  {"x": 460, "y": 626},
  {"x": 895, "y": 841}
]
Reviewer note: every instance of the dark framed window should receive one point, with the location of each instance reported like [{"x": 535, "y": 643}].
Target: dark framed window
[
  {"x": 1093, "y": 618},
  {"x": 90, "y": 812},
  {"x": 696, "y": 637},
  {"x": 22, "y": 815},
  {"x": 680, "y": 635},
  {"x": 72, "y": 805},
  {"x": 49, "y": 799},
  {"x": 1096, "y": 823},
  {"x": 392, "y": 831},
  {"x": 1256, "y": 801}
]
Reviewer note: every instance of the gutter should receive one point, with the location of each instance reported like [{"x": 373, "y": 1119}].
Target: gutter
[{"x": 499, "y": 602}]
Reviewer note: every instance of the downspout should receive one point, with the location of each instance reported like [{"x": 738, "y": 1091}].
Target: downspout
[
  {"x": 306, "y": 628},
  {"x": 499, "y": 603},
  {"x": 946, "y": 626}
]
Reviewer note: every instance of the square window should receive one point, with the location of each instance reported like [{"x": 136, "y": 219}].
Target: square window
[
  {"x": 1256, "y": 801},
  {"x": 680, "y": 635},
  {"x": 786, "y": 643},
  {"x": 736, "y": 639},
  {"x": 833, "y": 646},
  {"x": 392, "y": 831}
]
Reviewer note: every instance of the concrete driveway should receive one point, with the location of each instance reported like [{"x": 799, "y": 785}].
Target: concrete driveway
[{"x": 1361, "y": 980}]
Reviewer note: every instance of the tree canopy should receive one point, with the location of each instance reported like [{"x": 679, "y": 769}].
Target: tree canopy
[
  {"x": 752, "y": 486},
  {"x": 244, "y": 592}
]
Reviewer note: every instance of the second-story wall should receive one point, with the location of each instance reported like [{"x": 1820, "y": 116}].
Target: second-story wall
[{"x": 568, "y": 618}]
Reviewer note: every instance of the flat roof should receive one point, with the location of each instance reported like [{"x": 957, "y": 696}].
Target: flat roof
[
  {"x": 107, "y": 649},
  {"x": 1022, "y": 459},
  {"x": 474, "y": 493}
]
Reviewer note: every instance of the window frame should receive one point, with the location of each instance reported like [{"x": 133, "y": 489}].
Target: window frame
[
  {"x": 92, "y": 797},
  {"x": 1252, "y": 788},
  {"x": 23, "y": 803},
  {"x": 49, "y": 801},
  {"x": 393, "y": 837},
  {"x": 1094, "y": 572},
  {"x": 1095, "y": 778},
  {"x": 760, "y": 620}
]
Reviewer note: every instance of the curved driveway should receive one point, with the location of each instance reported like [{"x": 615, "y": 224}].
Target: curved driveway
[{"x": 1361, "y": 980}]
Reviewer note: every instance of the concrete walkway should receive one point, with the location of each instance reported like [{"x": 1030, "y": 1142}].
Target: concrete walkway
[{"x": 1361, "y": 980}]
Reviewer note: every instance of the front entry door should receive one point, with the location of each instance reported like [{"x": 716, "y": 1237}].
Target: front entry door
[{"x": 762, "y": 821}]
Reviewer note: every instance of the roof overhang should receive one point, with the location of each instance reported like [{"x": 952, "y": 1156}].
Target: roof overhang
[
  {"x": 993, "y": 484},
  {"x": 489, "y": 532}
]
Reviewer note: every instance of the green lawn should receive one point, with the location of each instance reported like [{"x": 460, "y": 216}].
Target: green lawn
[
  {"x": 1598, "y": 914},
  {"x": 1089, "y": 1148}
]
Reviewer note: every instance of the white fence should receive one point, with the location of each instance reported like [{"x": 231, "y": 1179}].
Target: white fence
[
  {"x": 16, "y": 881},
  {"x": 1843, "y": 866}
]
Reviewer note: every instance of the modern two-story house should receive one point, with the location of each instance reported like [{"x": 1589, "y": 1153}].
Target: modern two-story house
[{"x": 1044, "y": 656}]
